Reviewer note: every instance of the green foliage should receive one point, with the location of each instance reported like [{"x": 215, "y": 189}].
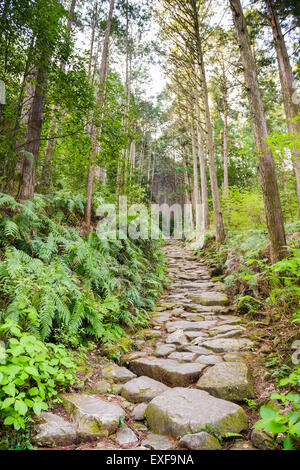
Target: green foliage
[
  {"x": 61, "y": 286},
  {"x": 31, "y": 375},
  {"x": 244, "y": 209},
  {"x": 285, "y": 421}
]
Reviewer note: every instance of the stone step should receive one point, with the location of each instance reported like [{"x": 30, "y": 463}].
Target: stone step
[
  {"x": 168, "y": 371},
  {"x": 179, "y": 411},
  {"x": 142, "y": 389}
]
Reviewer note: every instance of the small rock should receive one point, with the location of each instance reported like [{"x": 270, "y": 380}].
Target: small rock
[
  {"x": 233, "y": 357},
  {"x": 139, "y": 411},
  {"x": 262, "y": 440},
  {"x": 200, "y": 441},
  {"x": 158, "y": 442},
  {"x": 183, "y": 356},
  {"x": 209, "y": 359},
  {"x": 242, "y": 445},
  {"x": 142, "y": 389},
  {"x": 177, "y": 337},
  {"x": 164, "y": 350},
  {"x": 102, "y": 386},
  {"x": 195, "y": 349},
  {"x": 117, "y": 373},
  {"x": 55, "y": 430},
  {"x": 126, "y": 436}
]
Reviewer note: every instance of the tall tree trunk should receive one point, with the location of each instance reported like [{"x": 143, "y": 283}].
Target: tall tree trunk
[
  {"x": 220, "y": 232},
  {"x": 97, "y": 130},
  {"x": 266, "y": 167},
  {"x": 46, "y": 170},
  {"x": 201, "y": 154},
  {"x": 225, "y": 133},
  {"x": 196, "y": 199},
  {"x": 291, "y": 107},
  {"x": 32, "y": 145}
]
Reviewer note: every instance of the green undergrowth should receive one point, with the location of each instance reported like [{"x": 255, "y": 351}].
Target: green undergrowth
[
  {"x": 67, "y": 288},
  {"x": 268, "y": 296},
  {"x": 62, "y": 292}
]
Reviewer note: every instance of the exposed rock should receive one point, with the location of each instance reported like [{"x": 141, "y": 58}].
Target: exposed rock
[
  {"x": 55, "y": 430},
  {"x": 196, "y": 334},
  {"x": 262, "y": 440},
  {"x": 180, "y": 411},
  {"x": 209, "y": 359},
  {"x": 126, "y": 436},
  {"x": 230, "y": 381},
  {"x": 116, "y": 373},
  {"x": 164, "y": 350},
  {"x": 105, "y": 446},
  {"x": 158, "y": 442},
  {"x": 183, "y": 356},
  {"x": 138, "y": 411},
  {"x": 233, "y": 357},
  {"x": 142, "y": 389},
  {"x": 177, "y": 337},
  {"x": 227, "y": 344},
  {"x": 200, "y": 441},
  {"x": 242, "y": 445},
  {"x": 195, "y": 349},
  {"x": 93, "y": 414},
  {"x": 189, "y": 325},
  {"x": 102, "y": 386},
  {"x": 210, "y": 299},
  {"x": 168, "y": 371}
]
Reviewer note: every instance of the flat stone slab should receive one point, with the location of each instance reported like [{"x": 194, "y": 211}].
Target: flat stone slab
[
  {"x": 142, "y": 389},
  {"x": 200, "y": 441},
  {"x": 168, "y": 371},
  {"x": 178, "y": 337},
  {"x": 195, "y": 349},
  {"x": 230, "y": 381},
  {"x": 93, "y": 414},
  {"x": 209, "y": 359},
  {"x": 196, "y": 334},
  {"x": 164, "y": 350},
  {"x": 180, "y": 411},
  {"x": 54, "y": 430},
  {"x": 210, "y": 298},
  {"x": 242, "y": 445},
  {"x": 227, "y": 344},
  {"x": 189, "y": 325},
  {"x": 183, "y": 356},
  {"x": 158, "y": 442},
  {"x": 227, "y": 328},
  {"x": 117, "y": 373},
  {"x": 126, "y": 436}
]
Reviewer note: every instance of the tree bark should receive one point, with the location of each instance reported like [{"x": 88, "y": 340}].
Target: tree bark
[
  {"x": 196, "y": 199},
  {"x": 266, "y": 167},
  {"x": 220, "y": 232},
  {"x": 97, "y": 130},
  {"x": 32, "y": 145},
  {"x": 201, "y": 155},
  {"x": 291, "y": 106}
]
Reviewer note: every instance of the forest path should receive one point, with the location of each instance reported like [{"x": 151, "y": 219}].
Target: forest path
[{"x": 186, "y": 381}]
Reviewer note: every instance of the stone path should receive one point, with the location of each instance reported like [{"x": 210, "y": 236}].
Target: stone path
[{"x": 183, "y": 385}]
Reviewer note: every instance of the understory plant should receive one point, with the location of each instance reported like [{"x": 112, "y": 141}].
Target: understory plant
[{"x": 32, "y": 373}]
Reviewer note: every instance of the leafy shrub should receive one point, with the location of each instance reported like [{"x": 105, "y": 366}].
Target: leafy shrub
[{"x": 31, "y": 375}]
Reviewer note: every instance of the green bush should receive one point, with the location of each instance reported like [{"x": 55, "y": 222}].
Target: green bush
[{"x": 32, "y": 373}]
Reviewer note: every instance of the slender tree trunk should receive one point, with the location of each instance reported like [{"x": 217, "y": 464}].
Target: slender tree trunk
[
  {"x": 32, "y": 145},
  {"x": 225, "y": 133},
  {"x": 291, "y": 106},
  {"x": 97, "y": 131},
  {"x": 197, "y": 199},
  {"x": 266, "y": 167},
  {"x": 220, "y": 232},
  {"x": 46, "y": 171},
  {"x": 201, "y": 154}
]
